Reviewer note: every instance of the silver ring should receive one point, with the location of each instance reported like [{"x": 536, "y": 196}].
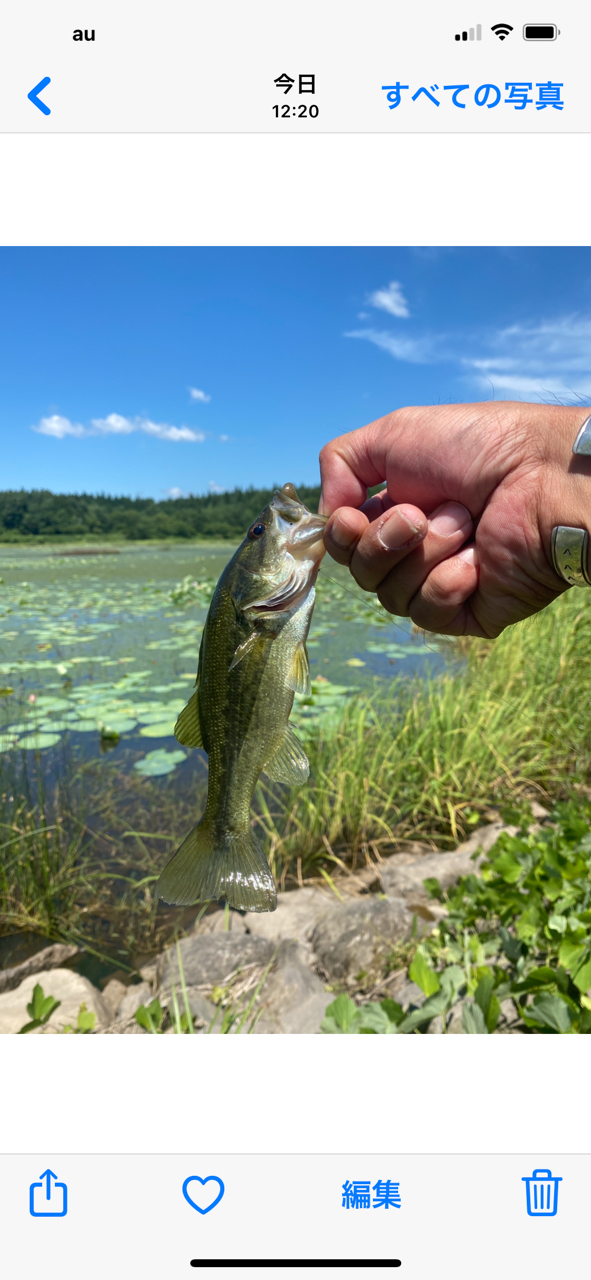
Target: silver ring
[
  {"x": 569, "y": 555},
  {"x": 583, "y": 441},
  {"x": 570, "y": 546}
]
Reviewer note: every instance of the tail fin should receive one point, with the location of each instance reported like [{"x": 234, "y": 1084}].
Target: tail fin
[{"x": 212, "y": 864}]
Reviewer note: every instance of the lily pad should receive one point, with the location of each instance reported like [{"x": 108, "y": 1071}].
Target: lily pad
[
  {"x": 164, "y": 729},
  {"x": 395, "y": 650},
  {"x": 38, "y": 741},
  {"x": 157, "y": 763},
  {"x": 115, "y": 724},
  {"x": 173, "y": 709}
]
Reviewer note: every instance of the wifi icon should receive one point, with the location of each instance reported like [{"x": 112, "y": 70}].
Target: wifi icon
[{"x": 502, "y": 30}]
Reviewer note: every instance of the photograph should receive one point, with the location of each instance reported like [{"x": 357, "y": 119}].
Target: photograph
[{"x": 295, "y": 641}]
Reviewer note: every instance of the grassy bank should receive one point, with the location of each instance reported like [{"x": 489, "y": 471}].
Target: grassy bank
[
  {"x": 430, "y": 758},
  {"x": 420, "y": 758}
]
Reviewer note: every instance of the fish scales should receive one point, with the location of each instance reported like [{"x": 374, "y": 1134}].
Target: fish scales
[{"x": 251, "y": 662}]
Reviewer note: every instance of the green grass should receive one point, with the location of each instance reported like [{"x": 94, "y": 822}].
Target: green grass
[
  {"x": 423, "y": 758},
  {"x": 428, "y": 758}
]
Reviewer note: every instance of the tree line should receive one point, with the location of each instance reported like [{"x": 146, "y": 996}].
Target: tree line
[{"x": 41, "y": 515}]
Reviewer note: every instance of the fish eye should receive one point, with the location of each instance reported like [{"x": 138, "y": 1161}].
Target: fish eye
[{"x": 256, "y": 530}]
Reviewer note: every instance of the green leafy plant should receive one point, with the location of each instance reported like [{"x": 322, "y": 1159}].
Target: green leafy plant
[
  {"x": 150, "y": 1017},
  {"x": 520, "y": 932},
  {"x": 85, "y": 1022},
  {"x": 39, "y": 1010}
]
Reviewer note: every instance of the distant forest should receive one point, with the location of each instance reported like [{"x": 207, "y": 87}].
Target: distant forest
[{"x": 41, "y": 515}]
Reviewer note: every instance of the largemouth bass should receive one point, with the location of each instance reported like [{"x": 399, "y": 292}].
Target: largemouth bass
[{"x": 251, "y": 662}]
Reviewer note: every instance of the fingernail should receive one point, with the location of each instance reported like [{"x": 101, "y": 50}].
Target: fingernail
[
  {"x": 470, "y": 555},
  {"x": 450, "y": 518},
  {"x": 341, "y": 534},
  {"x": 400, "y": 531}
]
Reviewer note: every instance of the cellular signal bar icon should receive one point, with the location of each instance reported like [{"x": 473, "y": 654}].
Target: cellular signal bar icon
[{"x": 469, "y": 34}]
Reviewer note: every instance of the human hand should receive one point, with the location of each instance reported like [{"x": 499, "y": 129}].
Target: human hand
[{"x": 460, "y": 538}]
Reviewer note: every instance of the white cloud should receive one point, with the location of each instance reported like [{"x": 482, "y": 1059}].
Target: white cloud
[
  {"x": 550, "y": 358},
  {"x": 224, "y": 438},
  {"x": 421, "y": 350},
  {"x": 116, "y": 424},
  {"x": 390, "y": 299},
  {"x": 216, "y": 488},
  {"x": 59, "y": 427},
  {"x": 174, "y": 492},
  {"x": 196, "y": 394}
]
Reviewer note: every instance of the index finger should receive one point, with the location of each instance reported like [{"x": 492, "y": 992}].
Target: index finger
[{"x": 349, "y": 466}]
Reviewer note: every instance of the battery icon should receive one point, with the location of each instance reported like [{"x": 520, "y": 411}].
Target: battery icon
[{"x": 540, "y": 31}]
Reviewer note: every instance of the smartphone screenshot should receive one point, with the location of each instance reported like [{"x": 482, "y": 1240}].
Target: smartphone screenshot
[{"x": 295, "y": 629}]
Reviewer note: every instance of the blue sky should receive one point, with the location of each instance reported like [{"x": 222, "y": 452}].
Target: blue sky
[{"x": 157, "y": 371}]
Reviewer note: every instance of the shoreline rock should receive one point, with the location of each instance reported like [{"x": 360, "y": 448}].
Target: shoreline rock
[{"x": 310, "y": 939}]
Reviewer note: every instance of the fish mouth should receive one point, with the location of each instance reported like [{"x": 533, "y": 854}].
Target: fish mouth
[
  {"x": 301, "y": 526},
  {"x": 308, "y": 531}
]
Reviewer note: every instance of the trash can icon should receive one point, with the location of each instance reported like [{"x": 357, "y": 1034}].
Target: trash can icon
[{"x": 542, "y": 1193}]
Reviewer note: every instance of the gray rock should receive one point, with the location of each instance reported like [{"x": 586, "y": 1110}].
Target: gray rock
[
  {"x": 68, "y": 987},
  {"x": 295, "y": 916},
  {"x": 454, "y": 1022},
  {"x": 49, "y": 958},
  {"x": 402, "y": 876},
  {"x": 203, "y": 1010},
  {"x": 210, "y": 960},
  {"x": 148, "y": 973},
  {"x": 405, "y": 992},
  {"x": 127, "y": 1027},
  {"x": 139, "y": 993},
  {"x": 216, "y": 922},
  {"x": 293, "y": 998},
  {"x": 454, "y": 1019},
  {"x": 356, "y": 937},
  {"x": 113, "y": 994}
]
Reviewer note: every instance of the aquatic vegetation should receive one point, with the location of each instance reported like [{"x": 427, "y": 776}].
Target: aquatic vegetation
[
  {"x": 98, "y": 650},
  {"x": 516, "y": 936},
  {"x": 157, "y": 763}
]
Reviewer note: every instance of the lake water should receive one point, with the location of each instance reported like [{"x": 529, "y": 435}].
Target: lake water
[{"x": 101, "y": 650}]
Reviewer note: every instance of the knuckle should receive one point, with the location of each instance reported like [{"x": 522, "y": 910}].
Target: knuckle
[{"x": 389, "y": 601}]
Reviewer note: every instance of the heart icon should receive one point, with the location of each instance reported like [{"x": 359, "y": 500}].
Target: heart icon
[{"x": 193, "y": 1203}]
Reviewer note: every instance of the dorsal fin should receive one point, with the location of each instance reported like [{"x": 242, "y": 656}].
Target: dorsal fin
[{"x": 187, "y": 729}]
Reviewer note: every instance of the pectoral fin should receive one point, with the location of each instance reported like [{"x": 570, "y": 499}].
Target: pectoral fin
[
  {"x": 246, "y": 647},
  {"x": 299, "y": 671},
  {"x": 290, "y": 762},
  {"x": 187, "y": 729}
]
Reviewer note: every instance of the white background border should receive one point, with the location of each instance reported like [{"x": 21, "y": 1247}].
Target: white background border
[{"x": 263, "y": 190}]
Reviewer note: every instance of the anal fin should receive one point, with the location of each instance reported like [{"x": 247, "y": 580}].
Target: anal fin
[{"x": 290, "y": 762}]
